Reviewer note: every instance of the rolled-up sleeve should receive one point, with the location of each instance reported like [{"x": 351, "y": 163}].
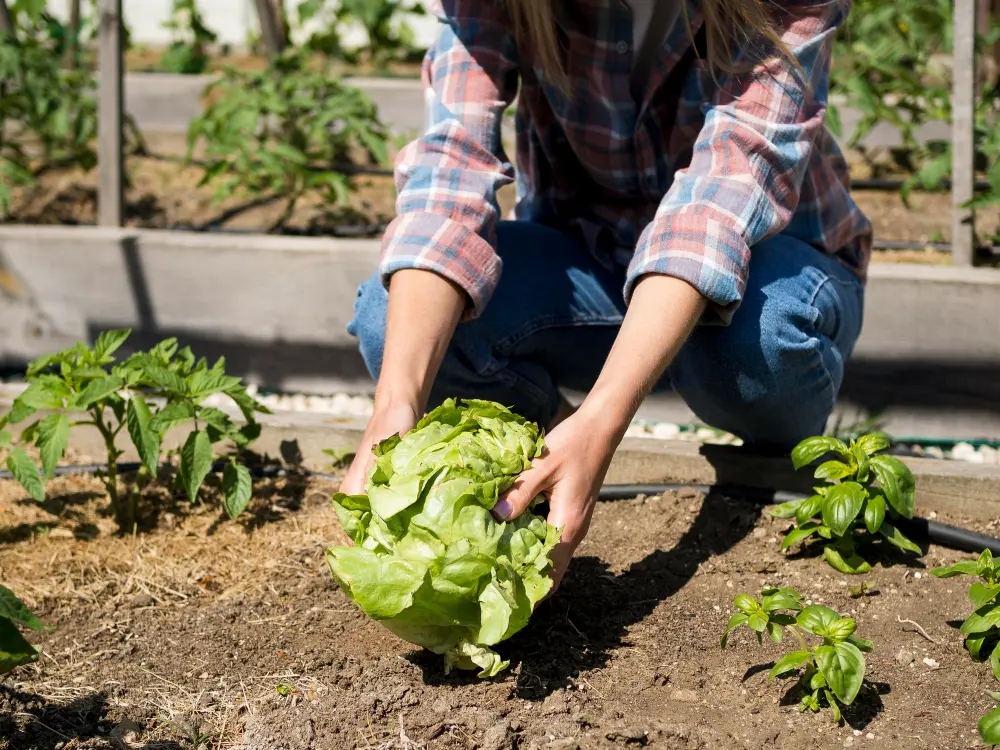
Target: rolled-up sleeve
[
  {"x": 448, "y": 178},
  {"x": 747, "y": 165}
]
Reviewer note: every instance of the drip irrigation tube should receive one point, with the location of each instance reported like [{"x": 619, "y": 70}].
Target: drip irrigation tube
[{"x": 918, "y": 529}]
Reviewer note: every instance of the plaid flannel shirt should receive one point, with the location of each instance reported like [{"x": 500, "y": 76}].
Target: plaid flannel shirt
[{"x": 684, "y": 183}]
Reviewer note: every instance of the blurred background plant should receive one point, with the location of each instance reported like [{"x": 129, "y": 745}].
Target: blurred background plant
[
  {"x": 388, "y": 36},
  {"x": 892, "y": 63},
  {"x": 189, "y": 51},
  {"x": 285, "y": 131}
]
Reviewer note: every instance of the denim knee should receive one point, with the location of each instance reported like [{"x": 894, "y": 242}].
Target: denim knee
[
  {"x": 764, "y": 378},
  {"x": 368, "y": 325}
]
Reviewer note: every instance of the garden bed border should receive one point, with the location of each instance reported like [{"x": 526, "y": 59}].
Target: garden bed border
[
  {"x": 269, "y": 288},
  {"x": 951, "y": 487}
]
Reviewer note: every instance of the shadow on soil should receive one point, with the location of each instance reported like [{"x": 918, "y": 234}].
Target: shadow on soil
[
  {"x": 29, "y": 721},
  {"x": 859, "y": 714},
  {"x": 580, "y": 628},
  {"x": 877, "y": 553}
]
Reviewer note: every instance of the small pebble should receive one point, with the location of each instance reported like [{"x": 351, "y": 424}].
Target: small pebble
[
  {"x": 931, "y": 662},
  {"x": 684, "y": 696},
  {"x": 934, "y": 451},
  {"x": 966, "y": 452},
  {"x": 666, "y": 431},
  {"x": 905, "y": 658},
  {"x": 869, "y": 736}
]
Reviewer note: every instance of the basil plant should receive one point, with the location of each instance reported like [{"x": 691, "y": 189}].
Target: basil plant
[
  {"x": 863, "y": 495},
  {"x": 428, "y": 559}
]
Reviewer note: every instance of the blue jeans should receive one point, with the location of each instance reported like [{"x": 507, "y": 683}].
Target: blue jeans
[{"x": 771, "y": 376}]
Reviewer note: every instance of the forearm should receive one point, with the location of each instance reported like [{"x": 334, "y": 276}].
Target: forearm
[
  {"x": 424, "y": 309},
  {"x": 663, "y": 312}
]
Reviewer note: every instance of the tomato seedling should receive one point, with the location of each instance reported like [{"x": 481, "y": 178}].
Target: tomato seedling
[
  {"x": 286, "y": 131},
  {"x": 832, "y": 671},
  {"x": 14, "y": 649},
  {"x": 849, "y": 504},
  {"x": 146, "y": 395}
]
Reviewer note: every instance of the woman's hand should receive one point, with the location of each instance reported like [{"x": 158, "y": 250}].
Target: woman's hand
[
  {"x": 383, "y": 424},
  {"x": 423, "y": 311},
  {"x": 570, "y": 474},
  {"x": 663, "y": 312}
]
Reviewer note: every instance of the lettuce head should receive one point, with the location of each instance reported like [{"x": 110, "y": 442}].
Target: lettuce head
[{"x": 429, "y": 561}]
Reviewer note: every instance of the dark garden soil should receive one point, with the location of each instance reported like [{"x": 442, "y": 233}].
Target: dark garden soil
[{"x": 203, "y": 632}]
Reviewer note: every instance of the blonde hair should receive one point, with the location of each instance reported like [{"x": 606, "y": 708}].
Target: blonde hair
[{"x": 729, "y": 24}]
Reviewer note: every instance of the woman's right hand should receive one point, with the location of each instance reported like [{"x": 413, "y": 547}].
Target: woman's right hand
[
  {"x": 423, "y": 310},
  {"x": 384, "y": 423}
]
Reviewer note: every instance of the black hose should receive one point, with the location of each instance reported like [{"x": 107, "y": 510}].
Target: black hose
[{"x": 917, "y": 529}]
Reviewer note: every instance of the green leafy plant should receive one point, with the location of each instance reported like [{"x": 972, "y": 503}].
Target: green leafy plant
[
  {"x": 884, "y": 65},
  {"x": 188, "y": 50},
  {"x": 145, "y": 396},
  {"x": 286, "y": 131},
  {"x": 832, "y": 671},
  {"x": 429, "y": 561},
  {"x": 388, "y": 36},
  {"x": 47, "y": 115},
  {"x": 849, "y": 508},
  {"x": 32, "y": 20},
  {"x": 982, "y": 628},
  {"x": 14, "y": 649},
  {"x": 865, "y": 589},
  {"x": 989, "y": 725},
  {"x": 891, "y": 62}
]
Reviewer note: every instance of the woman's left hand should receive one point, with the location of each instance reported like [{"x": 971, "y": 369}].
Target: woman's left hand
[
  {"x": 572, "y": 470},
  {"x": 570, "y": 474}
]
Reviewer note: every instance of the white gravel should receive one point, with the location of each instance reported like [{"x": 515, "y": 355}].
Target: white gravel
[{"x": 361, "y": 406}]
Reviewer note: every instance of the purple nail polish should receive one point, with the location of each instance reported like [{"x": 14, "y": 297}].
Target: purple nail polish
[{"x": 502, "y": 508}]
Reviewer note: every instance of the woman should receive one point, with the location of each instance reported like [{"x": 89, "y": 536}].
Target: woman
[{"x": 683, "y": 220}]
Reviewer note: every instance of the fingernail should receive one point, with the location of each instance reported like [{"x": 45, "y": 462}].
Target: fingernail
[{"x": 503, "y": 508}]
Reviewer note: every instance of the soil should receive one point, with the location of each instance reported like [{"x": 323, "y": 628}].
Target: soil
[
  {"x": 163, "y": 192},
  {"x": 208, "y": 633}
]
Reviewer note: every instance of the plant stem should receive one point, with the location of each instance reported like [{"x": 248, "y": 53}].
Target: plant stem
[
  {"x": 141, "y": 481},
  {"x": 798, "y": 636},
  {"x": 111, "y": 482}
]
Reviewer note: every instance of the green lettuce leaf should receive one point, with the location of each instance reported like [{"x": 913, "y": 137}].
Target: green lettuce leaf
[{"x": 428, "y": 559}]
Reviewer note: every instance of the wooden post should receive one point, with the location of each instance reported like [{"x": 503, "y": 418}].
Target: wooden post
[
  {"x": 73, "y": 43},
  {"x": 994, "y": 18},
  {"x": 270, "y": 27},
  {"x": 963, "y": 133},
  {"x": 6, "y": 22},
  {"x": 111, "y": 139}
]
